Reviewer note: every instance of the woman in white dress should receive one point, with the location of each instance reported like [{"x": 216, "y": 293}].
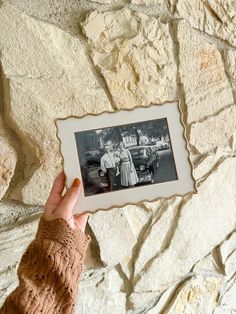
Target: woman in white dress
[{"x": 128, "y": 174}]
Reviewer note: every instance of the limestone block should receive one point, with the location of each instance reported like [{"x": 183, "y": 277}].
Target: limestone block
[
  {"x": 102, "y": 1},
  {"x": 195, "y": 295},
  {"x": 49, "y": 77},
  {"x": 12, "y": 211},
  {"x": 228, "y": 247},
  {"x": 227, "y": 291},
  {"x": 210, "y": 161},
  {"x": 134, "y": 53},
  {"x": 139, "y": 301},
  {"x": 230, "y": 65},
  {"x": 8, "y": 160},
  {"x": 100, "y": 292},
  {"x": 205, "y": 220},
  {"x": 114, "y": 235},
  {"x": 214, "y": 131},
  {"x": 9, "y": 281},
  {"x": 157, "y": 237},
  {"x": 202, "y": 74},
  {"x": 137, "y": 217},
  {"x": 206, "y": 265},
  {"x": 217, "y": 18},
  {"x": 143, "y": 302},
  {"x": 13, "y": 242}
]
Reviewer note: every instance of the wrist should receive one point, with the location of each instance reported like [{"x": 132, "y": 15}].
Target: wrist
[{"x": 59, "y": 230}]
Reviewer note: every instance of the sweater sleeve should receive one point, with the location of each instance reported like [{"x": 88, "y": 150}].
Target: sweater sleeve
[{"x": 49, "y": 270}]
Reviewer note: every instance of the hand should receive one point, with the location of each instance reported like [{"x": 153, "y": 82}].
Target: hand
[{"x": 58, "y": 206}]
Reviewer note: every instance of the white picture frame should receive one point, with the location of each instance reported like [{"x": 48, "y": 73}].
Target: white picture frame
[{"x": 156, "y": 127}]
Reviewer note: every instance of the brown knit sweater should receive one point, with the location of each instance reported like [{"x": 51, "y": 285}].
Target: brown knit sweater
[{"x": 49, "y": 270}]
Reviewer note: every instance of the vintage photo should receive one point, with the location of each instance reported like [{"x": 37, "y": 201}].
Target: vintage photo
[{"x": 125, "y": 156}]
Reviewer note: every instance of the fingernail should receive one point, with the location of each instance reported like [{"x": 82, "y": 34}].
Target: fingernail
[{"x": 76, "y": 183}]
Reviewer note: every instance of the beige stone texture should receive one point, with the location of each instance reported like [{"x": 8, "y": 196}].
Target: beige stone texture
[
  {"x": 158, "y": 237},
  {"x": 52, "y": 79},
  {"x": 101, "y": 1},
  {"x": 214, "y": 131},
  {"x": 230, "y": 65},
  {"x": 106, "y": 287},
  {"x": 8, "y": 159},
  {"x": 196, "y": 295},
  {"x": 217, "y": 18},
  {"x": 112, "y": 230},
  {"x": 227, "y": 291},
  {"x": 134, "y": 53},
  {"x": 203, "y": 223},
  {"x": 118, "y": 228},
  {"x": 13, "y": 242},
  {"x": 202, "y": 73},
  {"x": 77, "y": 57}
]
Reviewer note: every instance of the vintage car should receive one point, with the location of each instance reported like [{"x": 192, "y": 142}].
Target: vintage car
[
  {"x": 162, "y": 145},
  {"x": 146, "y": 162}
]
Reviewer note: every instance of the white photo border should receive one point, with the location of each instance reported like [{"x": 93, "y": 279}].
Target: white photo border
[{"x": 66, "y": 128}]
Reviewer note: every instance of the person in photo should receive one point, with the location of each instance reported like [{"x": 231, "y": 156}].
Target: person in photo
[
  {"x": 108, "y": 166},
  {"x": 128, "y": 174}
]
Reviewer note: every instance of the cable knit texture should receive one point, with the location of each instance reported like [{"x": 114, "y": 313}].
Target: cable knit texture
[{"x": 49, "y": 270}]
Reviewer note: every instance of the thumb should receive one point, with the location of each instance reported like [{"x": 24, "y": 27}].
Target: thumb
[{"x": 81, "y": 220}]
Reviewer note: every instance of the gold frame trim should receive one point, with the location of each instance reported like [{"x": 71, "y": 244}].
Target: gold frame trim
[{"x": 131, "y": 109}]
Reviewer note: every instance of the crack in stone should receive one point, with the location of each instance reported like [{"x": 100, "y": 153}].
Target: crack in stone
[
  {"x": 14, "y": 133},
  {"x": 166, "y": 242},
  {"x": 213, "y": 169},
  {"x": 95, "y": 69},
  {"x": 211, "y": 11}
]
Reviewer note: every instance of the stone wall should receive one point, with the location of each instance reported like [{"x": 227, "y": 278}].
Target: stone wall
[{"x": 68, "y": 57}]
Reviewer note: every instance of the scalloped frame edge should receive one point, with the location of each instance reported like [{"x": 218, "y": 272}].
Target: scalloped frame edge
[{"x": 131, "y": 109}]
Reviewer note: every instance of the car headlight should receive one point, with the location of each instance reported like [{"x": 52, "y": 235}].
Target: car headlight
[{"x": 141, "y": 167}]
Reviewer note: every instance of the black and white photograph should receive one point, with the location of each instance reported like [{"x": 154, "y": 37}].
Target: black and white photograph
[{"x": 125, "y": 156}]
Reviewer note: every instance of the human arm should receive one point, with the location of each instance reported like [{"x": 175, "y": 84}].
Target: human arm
[
  {"x": 102, "y": 165},
  {"x": 50, "y": 267}
]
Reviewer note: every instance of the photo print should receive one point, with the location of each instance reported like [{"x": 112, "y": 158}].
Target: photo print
[{"x": 125, "y": 156}]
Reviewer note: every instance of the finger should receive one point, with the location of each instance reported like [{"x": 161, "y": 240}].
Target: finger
[
  {"x": 59, "y": 184},
  {"x": 55, "y": 196},
  {"x": 81, "y": 220},
  {"x": 69, "y": 199}
]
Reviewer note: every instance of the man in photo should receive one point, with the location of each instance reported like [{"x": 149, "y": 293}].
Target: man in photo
[{"x": 108, "y": 166}]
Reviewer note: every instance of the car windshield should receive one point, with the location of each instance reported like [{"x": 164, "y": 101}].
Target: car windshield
[{"x": 137, "y": 152}]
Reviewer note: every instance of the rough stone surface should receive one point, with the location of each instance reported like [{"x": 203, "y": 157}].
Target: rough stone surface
[
  {"x": 157, "y": 237},
  {"x": 13, "y": 242},
  {"x": 202, "y": 73},
  {"x": 230, "y": 64},
  {"x": 112, "y": 230},
  {"x": 53, "y": 79},
  {"x": 213, "y": 131},
  {"x": 195, "y": 295},
  {"x": 216, "y": 18},
  {"x": 200, "y": 230},
  {"x": 227, "y": 291},
  {"x": 74, "y": 57},
  {"x": 106, "y": 287},
  {"x": 8, "y": 160},
  {"x": 134, "y": 53}
]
